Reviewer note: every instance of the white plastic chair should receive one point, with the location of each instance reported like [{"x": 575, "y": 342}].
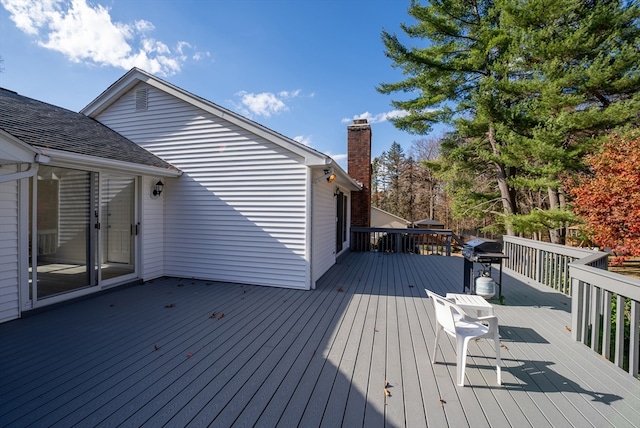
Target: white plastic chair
[{"x": 454, "y": 321}]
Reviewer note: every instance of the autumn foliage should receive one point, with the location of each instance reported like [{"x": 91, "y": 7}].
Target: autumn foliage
[{"x": 608, "y": 198}]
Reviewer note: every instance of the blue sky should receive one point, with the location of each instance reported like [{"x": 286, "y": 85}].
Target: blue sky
[{"x": 303, "y": 68}]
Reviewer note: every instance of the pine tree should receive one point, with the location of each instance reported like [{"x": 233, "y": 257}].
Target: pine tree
[{"x": 526, "y": 84}]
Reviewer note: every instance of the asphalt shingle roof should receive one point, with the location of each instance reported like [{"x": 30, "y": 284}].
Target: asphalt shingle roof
[{"x": 47, "y": 126}]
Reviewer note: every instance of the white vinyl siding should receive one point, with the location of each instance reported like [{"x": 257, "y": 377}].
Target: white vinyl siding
[
  {"x": 238, "y": 213},
  {"x": 152, "y": 231},
  {"x": 9, "y": 238},
  {"x": 324, "y": 226}
]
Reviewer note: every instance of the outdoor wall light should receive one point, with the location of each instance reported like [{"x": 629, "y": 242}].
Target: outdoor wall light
[
  {"x": 157, "y": 189},
  {"x": 329, "y": 174},
  {"x": 337, "y": 192}
]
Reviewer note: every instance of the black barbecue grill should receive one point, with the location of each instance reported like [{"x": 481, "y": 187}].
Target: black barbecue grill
[{"x": 485, "y": 252}]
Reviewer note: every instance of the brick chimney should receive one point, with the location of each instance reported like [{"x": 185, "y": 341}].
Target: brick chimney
[{"x": 359, "y": 168}]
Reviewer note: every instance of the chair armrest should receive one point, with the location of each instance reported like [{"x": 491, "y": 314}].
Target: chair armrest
[
  {"x": 485, "y": 318},
  {"x": 492, "y": 320}
]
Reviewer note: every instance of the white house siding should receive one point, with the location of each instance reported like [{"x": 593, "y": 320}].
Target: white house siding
[
  {"x": 324, "y": 227},
  {"x": 238, "y": 213},
  {"x": 9, "y": 238},
  {"x": 152, "y": 232}
]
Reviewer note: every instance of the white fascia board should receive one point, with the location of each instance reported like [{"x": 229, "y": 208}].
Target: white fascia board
[
  {"x": 134, "y": 76},
  {"x": 14, "y": 150},
  {"x": 113, "y": 92},
  {"x": 343, "y": 179},
  {"x": 94, "y": 162}
]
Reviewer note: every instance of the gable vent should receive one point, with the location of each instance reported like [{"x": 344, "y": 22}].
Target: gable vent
[{"x": 142, "y": 99}]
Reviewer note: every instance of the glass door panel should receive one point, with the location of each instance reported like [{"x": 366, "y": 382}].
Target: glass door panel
[
  {"x": 118, "y": 226},
  {"x": 65, "y": 231}
]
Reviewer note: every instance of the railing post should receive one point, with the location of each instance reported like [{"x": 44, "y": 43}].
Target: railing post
[
  {"x": 448, "y": 245},
  {"x": 618, "y": 358},
  {"x": 634, "y": 351},
  {"x": 577, "y": 311},
  {"x": 538, "y": 266},
  {"x": 606, "y": 324},
  {"x": 586, "y": 307}
]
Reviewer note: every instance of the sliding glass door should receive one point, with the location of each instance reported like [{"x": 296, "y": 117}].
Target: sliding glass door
[
  {"x": 118, "y": 226},
  {"x": 84, "y": 234},
  {"x": 62, "y": 249}
]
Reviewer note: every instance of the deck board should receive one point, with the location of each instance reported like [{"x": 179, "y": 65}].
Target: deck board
[{"x": 152, "y": 355}]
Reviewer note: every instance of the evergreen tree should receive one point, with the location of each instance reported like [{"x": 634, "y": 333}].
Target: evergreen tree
[
  {"x": 388, "y": 171},
  {"x": 526, "y": 84},
  {"x": 429, "y": 192}
]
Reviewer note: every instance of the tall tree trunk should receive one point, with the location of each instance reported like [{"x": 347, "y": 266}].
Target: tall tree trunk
[
  {"x": 554, "y": 203},
  {"x": 508, "y": 202}
]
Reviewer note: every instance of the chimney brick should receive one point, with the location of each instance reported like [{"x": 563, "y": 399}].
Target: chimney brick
[{"x": 359, "y": 168}]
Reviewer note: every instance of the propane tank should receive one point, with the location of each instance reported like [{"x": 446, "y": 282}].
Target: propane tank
[{"x": 485, "y": 286}]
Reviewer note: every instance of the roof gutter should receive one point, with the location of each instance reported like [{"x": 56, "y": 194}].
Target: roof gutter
[
  {"x": 82, "y": 161},
  {"x": 20, "y": 175}
]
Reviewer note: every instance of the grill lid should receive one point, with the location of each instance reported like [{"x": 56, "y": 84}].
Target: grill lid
[{"x": 480, "y": 245}]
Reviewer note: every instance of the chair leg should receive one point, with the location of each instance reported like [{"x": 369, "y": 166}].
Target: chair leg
[
  {"x": 461, "y": 359},
  {"x": 435, "y": 346},
  {"x": 498, "y": 362}
]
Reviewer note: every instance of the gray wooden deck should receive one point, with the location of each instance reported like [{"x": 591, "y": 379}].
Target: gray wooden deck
[{"x": 155, "y": 355}]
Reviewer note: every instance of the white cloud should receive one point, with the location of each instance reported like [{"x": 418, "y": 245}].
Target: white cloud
[
  {"x": 199, "y": 56},
  {"x": 377, "y": 118},
  {"x": 265, "y": 103},
  {"x": 287, "y": 94},
  {"x": 339, "y": 158},
  {"x": 304, "y": 139},
  {"x": 86, "y": 33}
]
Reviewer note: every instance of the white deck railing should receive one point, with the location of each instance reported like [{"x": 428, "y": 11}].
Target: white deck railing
[
  {"x": 545, "y": 263},
  {"x": 605, "y": 306}
]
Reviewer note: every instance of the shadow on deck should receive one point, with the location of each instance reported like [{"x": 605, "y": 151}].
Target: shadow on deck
[{"x": 182, "y": 352}]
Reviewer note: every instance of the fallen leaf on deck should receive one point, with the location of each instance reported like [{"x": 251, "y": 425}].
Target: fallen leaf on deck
[
  {"x": 386, "y": 384},
  {"x": 189, "y": 355},
  {"x": 387, "y": 392},
  {"x": 213, "y": 315},
  {"x": 221, "y": 315},
  {"x": 442, "y": 403},
  {"x": 567, "y": 327},
  {"x": 340, "y": 289},
  {"x": 411, "y": 286},
  {"x": 502, "y": 345},
  {"x": 156, "y": 347},
  {"x": 170, "y": 305}
]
